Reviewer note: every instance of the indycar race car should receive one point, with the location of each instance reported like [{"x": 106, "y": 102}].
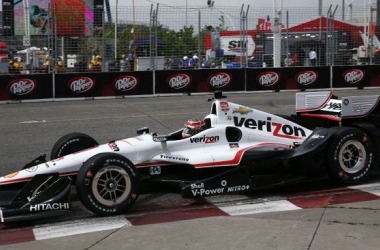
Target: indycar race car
[{"x": 234, "y": 149}]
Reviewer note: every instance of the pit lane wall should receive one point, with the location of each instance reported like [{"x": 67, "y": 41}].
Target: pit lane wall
[{"x": 88, "y": 85}]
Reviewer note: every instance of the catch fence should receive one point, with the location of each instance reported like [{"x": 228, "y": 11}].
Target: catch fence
[{"x": 59, "y": 38}]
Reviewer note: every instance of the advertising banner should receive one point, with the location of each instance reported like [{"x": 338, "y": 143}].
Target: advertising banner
[
  {"x": 197, "y": 81},
  {"x": 289, "y": 78},
  {"x": 356, "y": 76},
  {"x": 25, "y": 87},
  {"x": 103, "y": 84}
]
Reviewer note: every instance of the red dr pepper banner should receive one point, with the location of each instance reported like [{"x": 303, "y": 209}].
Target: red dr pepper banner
[
  {"x": 103, "y": 84},
  {"x": 356, "y": 76},
  {"x": 25, "y": 87},
  {"x": 288, "y": 78},
  {"x": 197, "y": 81}
]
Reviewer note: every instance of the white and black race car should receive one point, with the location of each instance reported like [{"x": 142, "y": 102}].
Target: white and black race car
[{"x": 238, "y": 149}]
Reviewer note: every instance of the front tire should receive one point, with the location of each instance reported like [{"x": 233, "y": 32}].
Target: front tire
[
  {"x": 108, "y": 184},
  {"x": 350, "y": 156},
  {"x": 72, "y": 143}
]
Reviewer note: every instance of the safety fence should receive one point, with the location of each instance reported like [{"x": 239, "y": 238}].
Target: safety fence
[
  {"x": 56, "y": 36},
  {"x": 90, "y": 85}
]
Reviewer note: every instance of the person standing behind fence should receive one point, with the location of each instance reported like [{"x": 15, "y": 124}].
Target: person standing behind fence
[
  {"x": 11, "y": 67},
  {"x": 60, "y": 67},
  {"x": 46, "y": 65},
  {"x": 313, "y": 57},
  {"x": 185, "y": 62},
  {"x": 95, "y": 65},
  {"x": 17, "y": 66},
  {"x": 123, "y": 63}
]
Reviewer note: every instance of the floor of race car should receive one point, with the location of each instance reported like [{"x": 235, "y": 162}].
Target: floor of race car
[{"x": 314, "y": 215}]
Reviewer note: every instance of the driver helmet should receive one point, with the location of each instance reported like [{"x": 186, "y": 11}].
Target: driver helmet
[{"x": 193, "y": 127}]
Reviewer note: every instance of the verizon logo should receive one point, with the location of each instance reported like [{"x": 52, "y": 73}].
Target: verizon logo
[{"x": 205, "y": 139}]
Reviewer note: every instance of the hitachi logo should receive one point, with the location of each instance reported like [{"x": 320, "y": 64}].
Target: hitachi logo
[
  {"x": 280, "y": 130},
  {"x": 48, "y": 207},
  {"x": 205, "y": 139}
]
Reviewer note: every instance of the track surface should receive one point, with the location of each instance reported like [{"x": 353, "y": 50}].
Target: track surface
[{"x": 28, "y": 129}]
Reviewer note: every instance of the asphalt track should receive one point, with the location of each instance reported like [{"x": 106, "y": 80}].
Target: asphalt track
[{"x": 302, "y": 216}]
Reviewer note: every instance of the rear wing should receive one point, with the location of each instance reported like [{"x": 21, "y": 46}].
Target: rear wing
[{"x": 325, "y": 104}]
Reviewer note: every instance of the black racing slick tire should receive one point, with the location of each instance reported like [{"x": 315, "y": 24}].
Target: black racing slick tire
[
  {"x": 350, "y": 155},
  {"x": 72, "y": 143},
  {"x": 108, "y": 184}
]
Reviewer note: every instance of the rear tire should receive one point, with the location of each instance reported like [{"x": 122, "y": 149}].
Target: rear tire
[
  {"x": 350, "y": 156},
  {"x": 72, "y": 143},
  {"x": 108, "y": 184}
]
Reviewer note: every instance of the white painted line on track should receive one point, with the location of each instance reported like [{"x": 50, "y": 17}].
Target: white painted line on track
[
  {"x": 82, "y": 226},
  {"x": 272, "y": 206},
  {"x": 372, "y": 188}
]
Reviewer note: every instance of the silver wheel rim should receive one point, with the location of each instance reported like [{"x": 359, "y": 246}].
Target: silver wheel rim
[
  {"x": 111, "y": 185},
  {"x": 352, "y": 156}
]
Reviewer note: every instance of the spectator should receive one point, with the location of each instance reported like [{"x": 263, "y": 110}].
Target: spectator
[
  {"x": 17, "y": 67},
  {"x": 82, "y": 66},
  {"x": 295, "y": 60},
  {"x": 60, "y": 68},
  {"x": 204, "y": 63},
  {"x": 288, "y": 60},
  {"x": 91, "y": 66},
  {"x": 185, "y": 62},
  {"x": 193, "y": 62},
  {"x": 313, "y": 57},
  {"x": 46, "y": 65},
  {"x": 131, "y": 61},
  {"x": 123, "y": 63},
  {"x": 97, "y": 64},
  {"x": 11, "y": 67},
  {"x": 174, "y": 64}
]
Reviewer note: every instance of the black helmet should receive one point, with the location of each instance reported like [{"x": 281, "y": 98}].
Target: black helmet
[{"x": 193, "y": 127}]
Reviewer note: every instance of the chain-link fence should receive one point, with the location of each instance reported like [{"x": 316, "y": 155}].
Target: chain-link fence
[{"x": 82, "y": 36}]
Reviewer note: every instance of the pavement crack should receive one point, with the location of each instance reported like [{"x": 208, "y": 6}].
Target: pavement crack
[
  {"x": 107, "y": 236},
  {"x": 316, "y": 230}
]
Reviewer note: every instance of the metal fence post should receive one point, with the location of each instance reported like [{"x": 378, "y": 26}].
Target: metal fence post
[
  {"x": 199, "y": 40},
  {"x": 370, "y": 33},
  {"x": 103, "y": 40}
]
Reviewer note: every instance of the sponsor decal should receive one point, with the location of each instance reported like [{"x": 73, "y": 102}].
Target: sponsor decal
[
  {"x": 58, "y": 159},
  {"x": 139, "y": 138},
  {"x": 277, "y": 129},
  {"x": 316, "y": 136},
  {"x": 125, "y": 83},
  {"x": 113, "y": 146},
  {"x": 229, "y": 118},
  {"x": 242, "y": 110},
  {"x": 205, "y": 139},
  {"x": 333, "y": 106},
  {"x": 234, "y": 145},
  {"x": 238, "y": 188},
  {"x": 159, "y": 138},
  {"x": 353, "y": 76},
  {"x": 11, "y": 175},
  {"x": 155, "y": 170},
  {"x": 223, "y": 183},
  {"x": 224, "y": 106},
  {"x": 32, "y": 169},
  {"x": 202, "y": 191},
  {"x": 178, "y": 81},
  {"x": 49, "y": 207},
  {"x": 81, "y": 84},
  {"x": 177, "y": 158},
  {"x": 346, "y": 102},
  {"x": 195, "y": 186},
  {"x": 306, "y": 77},
  {"x": 268, "y": 78},
  {"x": 219, "y": 80},
  {"x": 22, "y": 86}
]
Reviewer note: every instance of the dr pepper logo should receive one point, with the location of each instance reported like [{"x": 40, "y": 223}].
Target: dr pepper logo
[
  {"x": 81, "y": 84},
  {"x": 353, "y": 76},
  {"x": 306, "y": 77},
  {"x": 22, "y": 86},
  {"x": 219, "y": 80},
  {"x": 268, "y": 78},
  {"x": 178, "y": 81},
  {"x": 125, "y": 83}
]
